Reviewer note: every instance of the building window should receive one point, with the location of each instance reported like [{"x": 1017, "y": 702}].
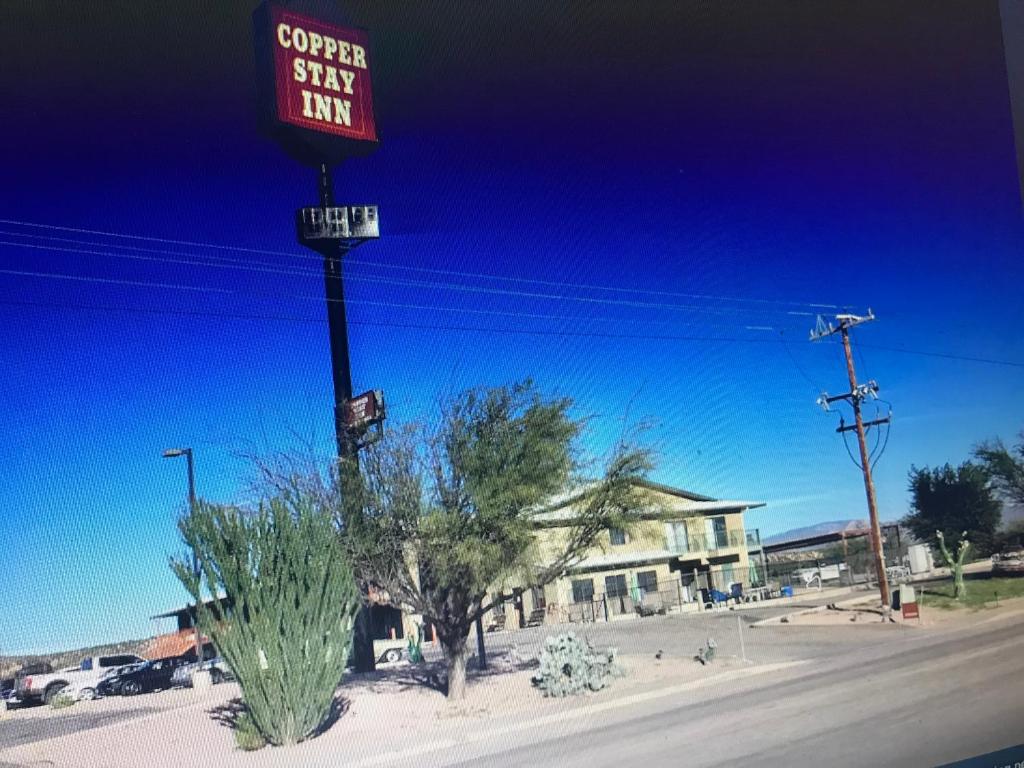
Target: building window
[
  {"x": 537, "y": 596},
  {"x": 582, "y": 590},
  {"x": 617, "y": 536},
  {"x": 718, "y": 538},
  {"x": 678, "y": 538},
  {"x": 615, "y": 586},
  {"x": 647, "y": 581}
]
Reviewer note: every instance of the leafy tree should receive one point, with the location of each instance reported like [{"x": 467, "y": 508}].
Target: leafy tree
[
  {"x": 955, "y": 502},
  {"x": 446, "y": 512},
  {"x": 1012, "y": 537},
  {"x": 1004, "y": 467},
  {"x": 283, "y": 606}
]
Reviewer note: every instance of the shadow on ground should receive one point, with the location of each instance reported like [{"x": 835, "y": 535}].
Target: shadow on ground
[
  {"x": 431, "y": 675},
  {"x": 228, "y": 713}
]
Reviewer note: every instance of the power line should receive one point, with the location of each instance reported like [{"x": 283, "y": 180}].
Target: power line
[
  {"x": 377, "y": 279},
  {"x": 523, "y": 331},
  {"x": 382, "y": 324},
  {"x": 796, "y": 364},
  {"x": 193, "y": 243},
  {"x": 161, "y": 251},
  {"x": 112, "y": 281},
  {"x": 408, "y": 283},
  {"x": 390, "y": 304},
  {"x": 447, "y": 272},
  {"x": 945, "y": 355}
]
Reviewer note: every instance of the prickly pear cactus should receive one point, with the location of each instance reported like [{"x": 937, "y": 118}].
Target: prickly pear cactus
[{"x": 570, "y": 666}]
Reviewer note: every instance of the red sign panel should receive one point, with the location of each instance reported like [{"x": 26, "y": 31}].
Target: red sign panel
[
  {"x": 364, "y": 409},
  {"x": 321, "y": 75},
  {"x": 910, "y": 611}
]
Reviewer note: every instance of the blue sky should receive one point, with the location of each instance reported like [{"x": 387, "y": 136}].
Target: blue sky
[{"x": 637, "y": 212}]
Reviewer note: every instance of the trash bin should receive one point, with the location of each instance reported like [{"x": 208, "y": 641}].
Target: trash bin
[
  {"x": 896, "y": 599},
  {"x": 787, "y": 591}
]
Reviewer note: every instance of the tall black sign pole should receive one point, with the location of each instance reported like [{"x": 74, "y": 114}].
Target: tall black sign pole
[
  {"x": 341, "y": 373},
  {"x": 334, "y": 287}
]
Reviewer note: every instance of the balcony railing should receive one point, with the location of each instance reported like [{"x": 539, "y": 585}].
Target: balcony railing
[{"x": 705, "y": 543}]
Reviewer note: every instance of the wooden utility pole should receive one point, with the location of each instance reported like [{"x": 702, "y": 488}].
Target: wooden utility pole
[{"x": 856, "y": 395}]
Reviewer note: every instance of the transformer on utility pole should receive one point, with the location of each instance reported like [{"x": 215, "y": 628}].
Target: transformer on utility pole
[{"x": 856, "y": 395}]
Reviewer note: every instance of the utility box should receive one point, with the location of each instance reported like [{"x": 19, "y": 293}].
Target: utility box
[{"x": 920, "y": 558}]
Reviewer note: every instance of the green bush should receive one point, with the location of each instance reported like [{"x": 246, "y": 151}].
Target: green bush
[
  {"x": 284, "y": 623},
  {"x": 247, "y": 735},
  {"x": 569, "y": 667},
  {"x": 62, "y": 701}
]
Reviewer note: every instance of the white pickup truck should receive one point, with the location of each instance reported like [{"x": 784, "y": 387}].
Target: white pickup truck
[{"x": 84, "y": 678}]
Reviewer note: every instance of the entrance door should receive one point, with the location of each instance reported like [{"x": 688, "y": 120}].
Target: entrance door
[{"x": 617, "y": 594}]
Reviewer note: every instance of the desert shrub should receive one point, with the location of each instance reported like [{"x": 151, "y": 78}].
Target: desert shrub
[
  {"x": 247, "y": 736},
  {"x": 62, "y": 700},
  {"x": 284, "y": 623},
  {"x": 570, "y": 666}
]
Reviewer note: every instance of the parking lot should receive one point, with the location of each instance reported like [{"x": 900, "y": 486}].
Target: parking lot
[{"x": 29, "y": 724}]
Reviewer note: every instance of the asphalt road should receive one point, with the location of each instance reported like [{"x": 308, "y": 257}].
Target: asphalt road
[
  {"x": 17, "y": 728},
  {"x": 911, "y": 699}
]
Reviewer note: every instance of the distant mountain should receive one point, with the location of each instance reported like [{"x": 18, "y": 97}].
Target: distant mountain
[
  {"x": 818, "y": 529},
  {"x": 822, "y": 529},
  {"x": 11, "y": 664}
]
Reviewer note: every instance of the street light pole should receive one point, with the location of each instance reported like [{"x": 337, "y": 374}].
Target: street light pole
[{"x": 187, "y": 453}]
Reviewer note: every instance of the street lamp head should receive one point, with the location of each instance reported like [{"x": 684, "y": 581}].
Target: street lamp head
[{"x": 170, "y": 453}]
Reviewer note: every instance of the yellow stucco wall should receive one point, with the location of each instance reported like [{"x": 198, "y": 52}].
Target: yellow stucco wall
[{"x": 645, "y": 538}]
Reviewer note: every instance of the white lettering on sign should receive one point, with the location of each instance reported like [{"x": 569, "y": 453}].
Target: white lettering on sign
[
  {"x": 364, "y": 409},
  {"x": 321, "y": 75},
  {"x": 321, "y": 46},
  {"x": 284, "y": 35},
  {"x": 317, "y": 106}
]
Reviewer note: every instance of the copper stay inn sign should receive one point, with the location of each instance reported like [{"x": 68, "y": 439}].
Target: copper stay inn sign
[{"x": 315, "y": 90}]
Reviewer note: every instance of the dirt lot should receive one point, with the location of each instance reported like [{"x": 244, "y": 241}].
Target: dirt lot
[{"x": 866, "y": 614}]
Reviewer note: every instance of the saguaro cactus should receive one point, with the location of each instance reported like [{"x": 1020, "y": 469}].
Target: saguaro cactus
[{"x": 955, "y": 564}]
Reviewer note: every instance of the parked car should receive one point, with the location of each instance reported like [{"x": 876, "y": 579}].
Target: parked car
[
  {"x": 389, "y": 651},
  {"x": 217, "y": 667},
  {"x": 6, "y": 692},
  {"x": 87, "y": 689},
  {"x": 9, "y": 686},
  {"x": 43, "y": 686},
  {"x": 150, "y": 676}
]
